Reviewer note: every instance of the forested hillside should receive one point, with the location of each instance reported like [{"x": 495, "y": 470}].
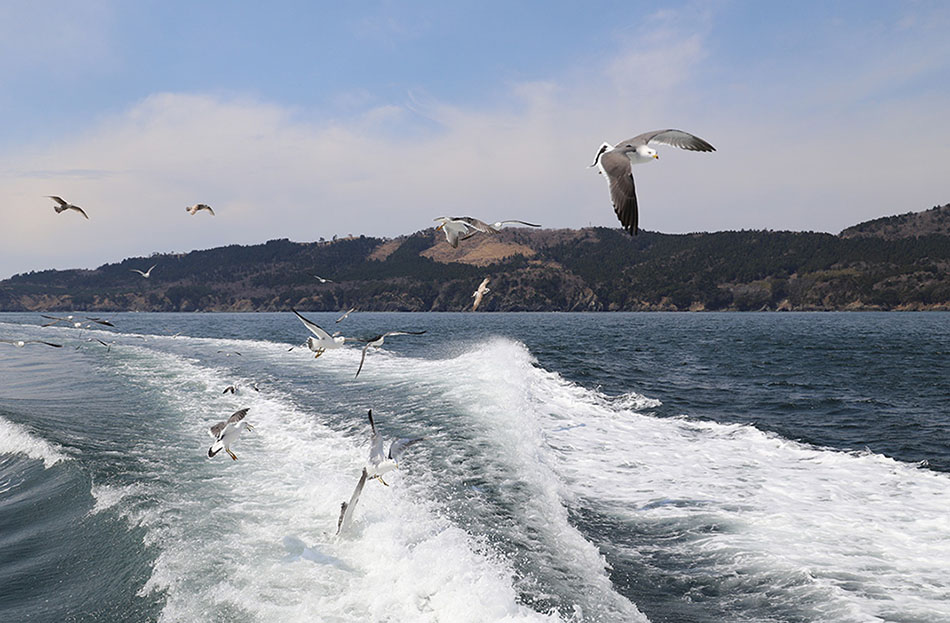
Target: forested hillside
[{"x": 897, "y": 263}]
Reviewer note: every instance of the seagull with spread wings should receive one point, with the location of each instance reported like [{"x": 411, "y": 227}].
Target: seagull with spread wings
[
  {"x": 64, "y": 205},
  {"x": 22, "y": 343},
  {"x": 480, "y": 292},
  {"x": 226, "y": 432},
  {"x": 616, "y": 162},
  {"x": 321, "y": 340},
  {"x": 147, "y": 273},
  {"x": 198, "y": 207},
  {"x": 457, "y": 228}
]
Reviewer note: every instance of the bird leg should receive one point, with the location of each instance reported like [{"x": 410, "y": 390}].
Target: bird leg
[
  {"x": 380, "y": 479},
  {"x": 319, "y": 352},
  {"x": 233, "y": 456},
  {"x": 249, "y": 427}
]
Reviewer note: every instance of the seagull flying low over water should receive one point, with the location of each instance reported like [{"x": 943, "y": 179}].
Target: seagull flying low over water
[
  {"x": 616, "y": 163},
  {"x": 198, "y": 207},
  {"x": 22, "y": 343},
  {"x": 458, "y": 228},
  {"x": 65, "y": 205},
  {"x": 378, "y": 465},
  {"x": 101, "y": 321},
  {"x": 226, "y": 432},
  {"x": 480, "y": 292},
  {"x": 378, "y": 340},
  {"x": 56, "y": 320},
  {"x": 346, "y": 314},
  {"x": 147, "y": 273},
  {"x": 321, "y": 340}
]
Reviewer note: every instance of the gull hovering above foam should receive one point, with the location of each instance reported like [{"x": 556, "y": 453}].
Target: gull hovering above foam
[
  {"x": 147, "y": 273},
  {"x": 616, "y": 162},
  {"x": 346, "y": 314},
  {"x": 378, "y": 340},
  {"x": 321, "y": 340},
  {"x": 22, "y": 343},
  {"x": 226, "y": 432},
  {"x": 198, "y": 207},
  {"x": 480, "y": 292},
  {"x": 378, "y": 465},
  {"x": 65, "y": 205}
]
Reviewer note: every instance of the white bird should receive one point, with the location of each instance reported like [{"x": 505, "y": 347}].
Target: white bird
[
  {"x": 147, "y": 273},
  {"x": 378, "y": 340},
  {"x": 198, "y": 207},
  {"x": 226, "y": 432},
  {"x": 321, "y": 279},
  {"x": 458, "y": 228},
  {"x": 322, "y": 340},
  {"x": 616, "y": 164},
  {"x": 346, "y": 314},
  {"x": 480, "y": 292},
  {"x": 65, "y": 205},
  {"x": 101, "y": 321},
  {"x": 22, "y": 343},
  {"x": 379, "y": 464}
]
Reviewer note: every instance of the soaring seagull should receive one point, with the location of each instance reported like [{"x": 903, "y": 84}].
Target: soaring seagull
[
  {"x": 102, "y": 321},
  {"x": 346, "y": 314},
  {"x": 480, "y": 292},
  {"x": 321, "y": 340},
  {"x": 198, "y": 207},
  {"x": 321, "y": 279},
  {"x": 65, "y": 205},
  {"x": 226, "y": 432},
  {"x": 458, "y": 228},
  {"x": 147, "y": 273},
  {"x": 378, "y": 340},
  {"x": 616, "y": 164},
  {"x": 22, "y": 343}
]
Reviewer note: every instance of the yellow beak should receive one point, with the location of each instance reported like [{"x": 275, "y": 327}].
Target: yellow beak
[
  {"x": 440, "y": 227},
  {"x": 657, "y": 156}
]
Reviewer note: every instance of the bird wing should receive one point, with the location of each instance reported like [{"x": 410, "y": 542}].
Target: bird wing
[
  {"x": 623, "y": 193},
  {"x": 501, "y": 224},
  {"x": 314, "y": 327},
  {"x": 478, "y": 299},
  {"x": 388, "y": 333},
  {"x": 674, "y": 138},
  {"x": 399, "y": 446},
  {"x": 216, "y": 430},
  {"x": 58, "y": 200},
  {"x": 100, "y": 321},
  {"x": 47, "y": 343},
  {"x": 477, "y": 224},
  {"x": 136, "y": 270},
  {"x": 376, "y": 443},
  {"x": 346, "y": 313},
  {"x": 238, "y": 416},
  {"x": 78, "y": 209},
  {"x": 348, "y": 508},
  {"x": 362, "y": 359},
  {"x": 206, "y": 207}
]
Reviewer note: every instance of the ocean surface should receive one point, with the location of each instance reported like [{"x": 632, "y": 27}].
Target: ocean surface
[{"x": 576, "y": 467}]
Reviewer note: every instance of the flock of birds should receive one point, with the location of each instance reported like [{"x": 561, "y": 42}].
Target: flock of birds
[{"x": 615, "y": 162}]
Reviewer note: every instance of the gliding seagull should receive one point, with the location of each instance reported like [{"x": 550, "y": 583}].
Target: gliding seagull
[
  {"x": 147, "y": 273},
  {"x": 458, "y": 228},
  {"x": 225, "y": 433},
  {"x": 65, "y": 205},
  {"x": 616, "y": 163},
  {"x": 377, "y": 341},
  {"x": 480, "y": 292},
  {"x": 22, "y": 343},
  {"x": 323, "y": 341},
  {"x": 346, "y": 314},
  {"x": 198, "y": 207}
]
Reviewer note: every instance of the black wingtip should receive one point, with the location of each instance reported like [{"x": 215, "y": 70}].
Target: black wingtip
[{"x": 211, "y": 454}]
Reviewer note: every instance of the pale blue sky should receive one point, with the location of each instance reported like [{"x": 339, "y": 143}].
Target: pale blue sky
[{"x": 303, "y": 120}]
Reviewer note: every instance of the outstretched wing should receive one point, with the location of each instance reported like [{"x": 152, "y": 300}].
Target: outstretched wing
[
  {"x": 376, "y": 444},
  {"x": 314, "y": 327},
  {"x": 348, "y": 508},
  {"x": 362, "y": 359},
  {"x": 477, "y": 224},
  {"x": 216, "y": 430},
  {"x": 389, "y": 333},
  {"x": 674, "y": 138},
  {"x": 58, "y": 200},
  {"x": 78, "y": 209},
  {"x": 501, "y": 224},
  {"x": 623, "y": 193},
  {"x": 399, "y": 446},
  {"x": 238, "y": 416}
]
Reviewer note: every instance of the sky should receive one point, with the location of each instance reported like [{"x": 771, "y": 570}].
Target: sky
[{"x": 305, "y": 120}]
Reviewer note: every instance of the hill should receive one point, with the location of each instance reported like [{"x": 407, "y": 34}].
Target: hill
[{"x": 866, "y": 267}]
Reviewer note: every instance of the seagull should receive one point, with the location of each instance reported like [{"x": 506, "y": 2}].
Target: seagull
[
  {"x": 65, "y": 205},
  {"x": 346, "y": 314},
  {"x": 480, "y": 292},
  {"x": 458, "y": 228},
  {"x": 22, "y": 343},
  {"x": 321, "y": 279},
  {"x": 230, "y": 352},
  {"x": 493, "y": 228},
  {"x": 101, "y": 321},
  {"x": 378, "y": 340},
  {"x": 322, "y": 340},
  {"x": 147, "y": 273},
  {"x": 230, "y": 388},
  {"x": 616, "y": 163},
  {"x": 225, "y": 433},
  {"x": 56, "y": 320},
  {"x": 198, "y": 207}
]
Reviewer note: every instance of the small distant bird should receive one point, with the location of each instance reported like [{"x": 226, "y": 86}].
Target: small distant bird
[
  {"x": 346, "y": 314},
  {"x": 378, "y": 340},
  {"x": 147, "y": 273},
  {"x": 321, "y": 340},
  {"x": 22, "y": 343},
  {"x": 230, "y": 389},
  {"x": 378, "y": 465},
  {"x": 616, "y": 163},
  {"x": 480, "y": 292},
  {"x": 100, "y": 321},
  {"x": 226, "y": 432},
  {"x": 198, "y": 207},
  {"x": 56, "y": 320},
  {"x": 228, "y": 353},
  {"x": 321, "y": 279},
  {"x": 65, "y": 205}
]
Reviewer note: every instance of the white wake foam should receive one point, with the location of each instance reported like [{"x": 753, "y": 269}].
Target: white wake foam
[{"x": 17, "y": 439}]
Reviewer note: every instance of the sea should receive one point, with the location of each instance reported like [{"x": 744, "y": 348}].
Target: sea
[{"x": 589, "y": 467}]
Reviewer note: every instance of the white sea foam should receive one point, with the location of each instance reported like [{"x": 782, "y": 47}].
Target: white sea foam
[
  {"x": 220, "y": 525},
  {"x": 17, "y": 439}
]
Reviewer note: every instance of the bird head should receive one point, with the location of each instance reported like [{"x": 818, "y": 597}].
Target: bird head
[
  {"x": 442, "y": 220},
  {"x": 600, "y": 152}
]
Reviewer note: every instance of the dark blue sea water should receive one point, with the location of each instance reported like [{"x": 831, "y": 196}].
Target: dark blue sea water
[{"x": 576, "y": 467}]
